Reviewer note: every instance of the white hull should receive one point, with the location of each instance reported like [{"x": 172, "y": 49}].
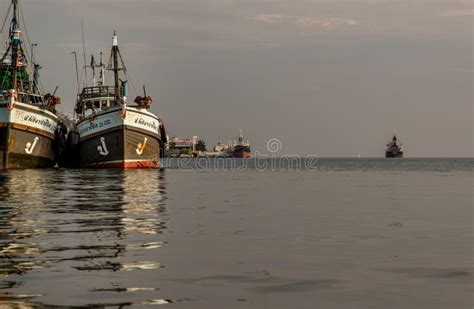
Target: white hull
[
  {"x": 138, "y": 118},
  {"x": 27, "y": 136}
]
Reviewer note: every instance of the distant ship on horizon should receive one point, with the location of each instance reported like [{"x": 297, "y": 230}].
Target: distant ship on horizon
[
  {"x": 394, "y": 148},
  {"x": 241, "y": 147}
]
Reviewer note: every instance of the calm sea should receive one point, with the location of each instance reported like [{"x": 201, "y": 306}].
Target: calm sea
[{"x": 328, "y": 233}]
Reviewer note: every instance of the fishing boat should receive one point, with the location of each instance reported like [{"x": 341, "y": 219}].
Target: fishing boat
[
  {"x": 109, "y": 132},
  {"x": 28, "y": 120}
]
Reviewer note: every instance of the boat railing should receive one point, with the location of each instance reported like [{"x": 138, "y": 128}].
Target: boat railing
[
  {"x": 98, "y": 91},
  {"x": 24, "y": 97}
]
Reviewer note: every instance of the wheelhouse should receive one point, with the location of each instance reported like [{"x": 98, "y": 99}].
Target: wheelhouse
[{"x": 95, "y": 99}]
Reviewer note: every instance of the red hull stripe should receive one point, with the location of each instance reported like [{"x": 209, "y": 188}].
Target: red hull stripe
[
  {"x": 242, "y": 154},
  {"x": 141, "y": 164}
]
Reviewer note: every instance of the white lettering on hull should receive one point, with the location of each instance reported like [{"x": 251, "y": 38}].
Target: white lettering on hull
[
  {"x": 34, "y": 119},
  {"x": 110, "y": 120}
]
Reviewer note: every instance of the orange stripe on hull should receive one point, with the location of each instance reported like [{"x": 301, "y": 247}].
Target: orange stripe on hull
[
  {"x": 126, "y": 165},
  {"x": 243, "y": 154}
]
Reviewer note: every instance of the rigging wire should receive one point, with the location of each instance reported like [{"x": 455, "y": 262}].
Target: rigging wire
[
  {"x": 6, "y": 17},
  {"x": 27, "y": 50},
  {"x": 28, "y": 53},
  {"x": 20, "y": 9},
  {"x": 84, "y": 51},
  {"x": 124, "y": 69},
  {"x": 1, "y": 31},
  {"x": 81, "y": 77},
  {"x": 134, "y": 89}
]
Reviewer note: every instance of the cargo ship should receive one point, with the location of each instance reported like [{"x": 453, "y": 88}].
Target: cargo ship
[
  {"x": 28, "y": 120},
  {"x": 240, "y": 148},
  {"x": 109, "y": 132},
  {"x": 394, "y": 148}
]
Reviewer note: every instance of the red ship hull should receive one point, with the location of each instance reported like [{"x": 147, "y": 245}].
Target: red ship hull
[{"x": 243, "y": 154}]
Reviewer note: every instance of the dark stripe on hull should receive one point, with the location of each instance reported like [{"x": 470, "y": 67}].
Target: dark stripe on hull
[
  {"x": 16, "y": 145},
  {"x": 22, "y": 127},
  {"x": 122, "y": 147},
  {"x": 393, "y": 155}
]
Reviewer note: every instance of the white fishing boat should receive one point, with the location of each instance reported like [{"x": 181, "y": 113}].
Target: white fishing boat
[
  {"x": 110, "y": 132},
  {"x": 28, "y": 120}
]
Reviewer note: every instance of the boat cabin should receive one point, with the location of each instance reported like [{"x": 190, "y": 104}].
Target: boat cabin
[{"x": 97, "y": 98}]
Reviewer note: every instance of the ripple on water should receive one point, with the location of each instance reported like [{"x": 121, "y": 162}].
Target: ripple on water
[
  {"x": 67, "y": 226},
  {"x": 5, "y": 285},
  {"x": 121, "y": 290},
  {"x": 433, "y": 272},
  {"x": 263, "y": 282}
]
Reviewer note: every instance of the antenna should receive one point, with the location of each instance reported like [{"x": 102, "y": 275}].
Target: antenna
[
  {"x": 36, "y": 68},
  {"x": 144, "y": 91},
  {"x": 6, "y": 18},
  {"x": 115, "y": 55},
  {"x": 33, "y": 52},
  {"x": 93, "y": 65},
  {"x": 77, "y": 72},
  {"x": 84, "y": 51},
  {"x": 15, "y": 42},
  {"x": 102, "y": 73}
]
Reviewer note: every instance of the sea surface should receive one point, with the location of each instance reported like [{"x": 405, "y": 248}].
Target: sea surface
[{"x": 266, "y": 233}]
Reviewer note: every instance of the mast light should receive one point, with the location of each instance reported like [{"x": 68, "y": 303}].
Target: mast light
[{"x": 115, "y": 40}]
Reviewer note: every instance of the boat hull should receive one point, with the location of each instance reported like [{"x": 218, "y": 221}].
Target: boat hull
[
  {"x": 242, "y": 154},
  {"x": 129, "y": 142},
  {"x": 27, "y": 138},
  {"x": 390, "y": 154}
]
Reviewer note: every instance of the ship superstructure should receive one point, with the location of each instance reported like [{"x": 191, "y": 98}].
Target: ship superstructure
[{"x": 394, "y": 148}]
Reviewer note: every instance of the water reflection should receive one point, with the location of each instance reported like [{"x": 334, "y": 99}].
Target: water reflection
[{"x": 68, "y": 227}]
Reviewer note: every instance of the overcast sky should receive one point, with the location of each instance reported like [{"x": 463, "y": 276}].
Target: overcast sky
[{"x": 326, "y": 77}]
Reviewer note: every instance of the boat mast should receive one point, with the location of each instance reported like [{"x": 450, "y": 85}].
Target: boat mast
[
  {"x": 93, "y": 65},
  {"x": 115, "y": 54},
  {"x": 86, "y": 81},
  {"x": 15, "y": 42},
  {"x": 77, "y": 73},
  {"x": 102, "y": 69}
]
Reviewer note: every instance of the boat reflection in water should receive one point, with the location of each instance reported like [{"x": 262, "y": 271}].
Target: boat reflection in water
[{"x": 91, "y": 235}]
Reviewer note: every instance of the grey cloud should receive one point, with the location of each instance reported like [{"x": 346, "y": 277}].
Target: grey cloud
[
  {"x": 457, "y": 13},
  {"x": 308, "y": 21}
]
